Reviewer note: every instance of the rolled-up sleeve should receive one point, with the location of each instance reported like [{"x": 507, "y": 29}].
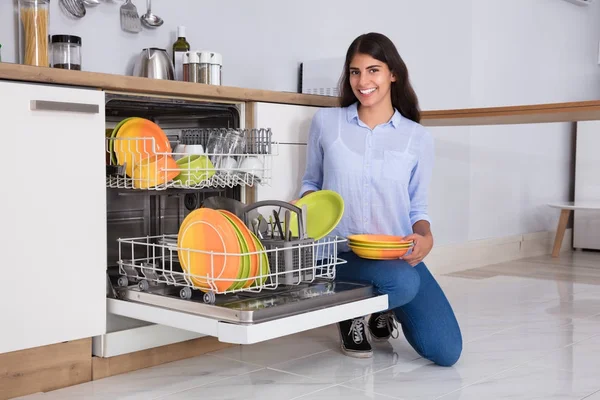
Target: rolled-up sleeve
[
  {"x": 313, "y": 174},
  {"x": 420, "y": 180}
]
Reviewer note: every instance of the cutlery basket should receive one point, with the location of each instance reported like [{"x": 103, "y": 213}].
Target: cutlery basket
[{"x": 292, "y": 261}]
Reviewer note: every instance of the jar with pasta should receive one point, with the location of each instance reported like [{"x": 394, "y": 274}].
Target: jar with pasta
[{"x": 33, "y": 28}]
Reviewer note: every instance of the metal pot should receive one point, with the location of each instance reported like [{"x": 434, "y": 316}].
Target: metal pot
[{"x": 154, "y": 63}]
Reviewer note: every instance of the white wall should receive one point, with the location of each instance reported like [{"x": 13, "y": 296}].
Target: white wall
[{"x": 489, "y": 181}]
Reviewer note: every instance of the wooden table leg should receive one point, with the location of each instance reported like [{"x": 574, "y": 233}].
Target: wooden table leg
[{"x": 560, "y": 231}]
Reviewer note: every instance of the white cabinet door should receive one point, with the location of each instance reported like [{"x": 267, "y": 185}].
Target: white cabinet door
[
  {"x": 290, "y": 126},
  {"x": 586, "y": 224},
  {"x": 54, "y": 215}
]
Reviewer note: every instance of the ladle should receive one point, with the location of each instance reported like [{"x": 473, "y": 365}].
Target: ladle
[{"x": 150, "y": 20}]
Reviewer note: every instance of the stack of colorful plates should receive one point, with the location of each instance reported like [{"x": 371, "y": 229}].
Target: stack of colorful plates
[
  {"x": 219, "y": 252},
  {"x": 379, "y": 247},
  {"x": 143, "y": 147}
]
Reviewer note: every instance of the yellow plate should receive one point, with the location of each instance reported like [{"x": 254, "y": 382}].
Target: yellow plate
[
  {"x": 379, "y": 254},
  {"x": 371, "y": 239},
  {"x": 245, "y": 261},
  {"x": 379, "y": 246},
  {"x": 264, "y": 264}
]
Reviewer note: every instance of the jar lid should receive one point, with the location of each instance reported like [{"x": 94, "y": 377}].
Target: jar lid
[
  {"x": 210, "y": 57},
  {"x": 66, "y": 39},
  {"x": 193, "y": 56}
]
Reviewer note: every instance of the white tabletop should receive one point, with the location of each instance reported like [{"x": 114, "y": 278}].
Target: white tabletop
[{"x": 577, "y": 205}]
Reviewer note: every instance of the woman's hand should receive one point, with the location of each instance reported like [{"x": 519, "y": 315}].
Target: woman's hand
[{"x": 422, "y": 247}]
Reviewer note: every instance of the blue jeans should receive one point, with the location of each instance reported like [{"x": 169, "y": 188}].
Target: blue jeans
[{"x": 420, "y": 305}]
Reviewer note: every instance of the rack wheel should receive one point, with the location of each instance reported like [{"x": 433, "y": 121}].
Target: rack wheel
[
  {"x": 210, "y": 298},
  {"x": 185, "y": 293},
  {"x": 123, "y": 281},
  {"x": 191, "y": 201},
  {"x": 144, "y": 285}
]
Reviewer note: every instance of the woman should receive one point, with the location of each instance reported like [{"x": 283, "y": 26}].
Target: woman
[{"x": 375, "y": 154}]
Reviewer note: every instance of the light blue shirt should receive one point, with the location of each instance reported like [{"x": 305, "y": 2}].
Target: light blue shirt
[{"x": 383, "y": 174}]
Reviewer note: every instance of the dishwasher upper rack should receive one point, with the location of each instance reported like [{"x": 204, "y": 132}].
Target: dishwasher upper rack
[
  {"x": 152, "y": 260},
  {"x": 194, "y": 162}
]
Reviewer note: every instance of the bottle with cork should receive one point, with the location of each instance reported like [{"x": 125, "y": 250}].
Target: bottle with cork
[{"x": 180, "y": 47}]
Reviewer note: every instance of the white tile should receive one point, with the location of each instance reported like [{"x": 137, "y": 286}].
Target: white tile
[
  {"x": 532, "y": 382},
  {"x": 334, "y": 367},
  {"x": 418, "y": 380},
  {"x": 582, "y": 355},
  {"x": 259, "y": 385},
  {"x": 345, "y": 393},
  {"x": 593, "y": 396},
  {"x": 285, "y": 348},
  {"x": 157, "y": 381}
]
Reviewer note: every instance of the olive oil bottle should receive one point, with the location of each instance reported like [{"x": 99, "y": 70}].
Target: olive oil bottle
[{"x": 180, "y": 47}]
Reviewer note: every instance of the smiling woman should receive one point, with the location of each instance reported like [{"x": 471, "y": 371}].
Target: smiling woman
[{"x": 375, "y": 154}]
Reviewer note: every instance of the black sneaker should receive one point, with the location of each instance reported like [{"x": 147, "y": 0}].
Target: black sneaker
[
  {"x": 355, "y": 342},
  {"x": 382, "y": 326}
]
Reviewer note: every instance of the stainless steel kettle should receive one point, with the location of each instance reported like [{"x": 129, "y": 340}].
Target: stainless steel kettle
[{"x": 154, "y": 63}]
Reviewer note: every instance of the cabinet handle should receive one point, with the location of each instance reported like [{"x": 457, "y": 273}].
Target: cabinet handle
[{"x": 45, "y": 105}]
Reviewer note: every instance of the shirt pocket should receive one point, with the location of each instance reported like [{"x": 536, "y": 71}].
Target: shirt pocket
[{"x": 397, "y": 167}]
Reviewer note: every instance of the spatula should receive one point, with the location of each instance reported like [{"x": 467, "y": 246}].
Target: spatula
[{"x": 130, "y": 19}]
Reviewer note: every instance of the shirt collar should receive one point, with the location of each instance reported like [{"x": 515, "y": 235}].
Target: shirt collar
[{"x": 352, "y": 116}]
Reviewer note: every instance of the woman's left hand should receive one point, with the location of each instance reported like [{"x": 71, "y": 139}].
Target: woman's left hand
[{"x": 422, "y": 247}]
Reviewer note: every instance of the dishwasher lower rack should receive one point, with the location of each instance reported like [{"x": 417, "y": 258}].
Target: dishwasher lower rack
[{"x": 154, "y": 260}]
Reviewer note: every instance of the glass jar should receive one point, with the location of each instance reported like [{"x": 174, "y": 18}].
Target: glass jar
[
  {"x": 66, "y": 52},
  {"x": 33, "y": 32}
]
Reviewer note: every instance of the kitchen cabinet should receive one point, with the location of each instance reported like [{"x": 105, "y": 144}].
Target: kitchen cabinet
[
  {"x": 290, "y": 125},
  {"x": 54, "y": 215}
]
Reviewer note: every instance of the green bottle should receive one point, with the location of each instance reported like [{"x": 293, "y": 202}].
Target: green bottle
[{"x": 180, "y": 47}]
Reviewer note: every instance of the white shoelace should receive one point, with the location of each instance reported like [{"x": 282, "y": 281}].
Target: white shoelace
[
  {"x": 357, "y": 330},
  {"x": 387, "y": 320}
]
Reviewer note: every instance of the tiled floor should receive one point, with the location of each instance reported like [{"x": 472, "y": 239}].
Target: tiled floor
[{"x": 531, "y": 331}]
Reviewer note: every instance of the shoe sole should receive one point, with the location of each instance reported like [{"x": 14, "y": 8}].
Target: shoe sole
[
  {"x": 357, "y": 354},
  {"x": 379, "y": 340}
]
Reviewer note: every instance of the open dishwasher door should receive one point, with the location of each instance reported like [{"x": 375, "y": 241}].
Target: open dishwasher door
[{"x": 245, "y": 318}]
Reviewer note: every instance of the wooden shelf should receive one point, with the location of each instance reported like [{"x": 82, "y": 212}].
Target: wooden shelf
[{"x": 524, "y": 114}]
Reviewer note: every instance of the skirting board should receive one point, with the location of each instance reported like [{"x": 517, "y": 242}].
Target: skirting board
[
  {"x": 136, "y": 339},
  {"x": 46, "y": 368},
  {"x": 479, "y": 253},
  {"x": 105, "y": 367}
]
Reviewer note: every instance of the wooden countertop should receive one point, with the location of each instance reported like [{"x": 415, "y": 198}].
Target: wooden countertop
[
  {"x": 131, "y": 84},
  {"x": 522, "y": 114}
]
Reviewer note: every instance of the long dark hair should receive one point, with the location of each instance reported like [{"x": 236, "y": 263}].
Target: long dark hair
[{"x": 380, "y": 47}]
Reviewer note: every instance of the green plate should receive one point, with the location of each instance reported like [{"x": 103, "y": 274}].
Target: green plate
[
  {"x": 324, "y": 210},
  {"x": 195, "y": 168},
  {"x": 244, "y": 272},
  {"x": 264, "y": 269}
]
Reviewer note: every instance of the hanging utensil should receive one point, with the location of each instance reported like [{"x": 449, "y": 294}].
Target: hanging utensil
[
  {"x": 150, "y": 20},
  {"x": 72, "y": 8},
  {"x": 91, "y": 3},
  {"x": 130, "y": 19}
]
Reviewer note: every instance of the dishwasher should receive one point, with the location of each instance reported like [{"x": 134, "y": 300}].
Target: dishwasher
[{"x": 295, "y": 287}]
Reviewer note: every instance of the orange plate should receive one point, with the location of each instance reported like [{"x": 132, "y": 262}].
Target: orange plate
[
  {"x": 154, "y": 171},
  {"x": 208, "y": 231},
  {"x": 138, "y": 139},
  {"x": 254, "y": 260},
  {"x": 378, "y": 239}
]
